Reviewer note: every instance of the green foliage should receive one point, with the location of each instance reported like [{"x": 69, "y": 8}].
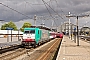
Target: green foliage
[
  {"x": 3, "y": 27},
  {"x": 25, "y": 25},
  {"x": 10, "y": 25}
]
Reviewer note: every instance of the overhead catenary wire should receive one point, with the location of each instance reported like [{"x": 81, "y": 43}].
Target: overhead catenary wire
[
  {"x": 48, "y": 11},
  {"x": 35, "y": 4},
  {"x": 15, "y": 10},
  {"x": 86, "y": 22},
  {"x": 52, "y": 9},
  {"x": 31, "y": 6},
  {"x": 41, "y": 4},
  {"x": 58, "y": 5},
  {"x": 49, "y": 6}
]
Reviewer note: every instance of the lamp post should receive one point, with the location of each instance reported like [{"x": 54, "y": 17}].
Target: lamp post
[{"x": 77, "y": 25}]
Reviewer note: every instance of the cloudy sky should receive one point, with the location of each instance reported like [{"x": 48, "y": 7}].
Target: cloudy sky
[{"x": 20, "y": 11}]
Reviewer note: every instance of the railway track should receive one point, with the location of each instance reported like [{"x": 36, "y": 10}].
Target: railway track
[
  {"x": 14, "y": 54},
  {"x": 9, "y": 48},
  {"x": 39, "y": 53},
  {"x": 46, "y": 55},
  {"x": 44, "y": 52}
]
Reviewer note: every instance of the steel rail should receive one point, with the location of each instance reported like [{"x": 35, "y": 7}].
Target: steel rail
[
  {"x": 15, "y": 54},
  {"x": 44, "y": 56}
]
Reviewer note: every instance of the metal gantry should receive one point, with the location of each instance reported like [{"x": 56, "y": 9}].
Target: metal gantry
[{"x": 77, "y": 16}]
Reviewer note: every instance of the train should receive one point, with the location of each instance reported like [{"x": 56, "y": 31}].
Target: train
[
  {"x": 35, "y": 36},
  {"x": 52, "y": 34},
  {"x": 59, "y": 35}
]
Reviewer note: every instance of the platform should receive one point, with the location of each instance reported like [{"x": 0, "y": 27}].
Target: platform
[{"x": 70, "y": 51}]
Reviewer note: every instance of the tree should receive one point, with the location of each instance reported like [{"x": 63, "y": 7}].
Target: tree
[
  {"x": 10, "y": 25},
  {"x": 3, "y": 27},
  {"x": 25, "y": 25}
]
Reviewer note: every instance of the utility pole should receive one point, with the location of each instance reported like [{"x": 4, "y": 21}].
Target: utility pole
[
  {"x": 77, "y": 25},
  {"x": 11, "y": 33},
  {"x": 69, "y": 27},
  {"x": 65, "y": 28},
  {"x": 18, "y": 34},
  {"x": 52, "y": 24},
  {"x": 71, "y": 31},
  {"x": 77, "y": 32},
  {"x": 35, "y": 20},
  {"x": 74, "y": 33}
]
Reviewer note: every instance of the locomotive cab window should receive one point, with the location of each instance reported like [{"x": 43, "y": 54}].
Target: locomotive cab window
[
  {"x": 32, "y": 31},
  {"x": 26, "y": 32}
]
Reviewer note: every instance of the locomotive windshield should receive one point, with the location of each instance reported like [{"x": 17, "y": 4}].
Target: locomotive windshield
[
  {"x": 30, "y": 31},
  {"x": 26, "y": 32}
]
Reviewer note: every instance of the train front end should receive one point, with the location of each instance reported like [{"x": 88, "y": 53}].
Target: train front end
[{"x": 28, "y": 37}]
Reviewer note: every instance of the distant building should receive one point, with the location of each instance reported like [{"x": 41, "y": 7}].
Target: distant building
[{"x": 65, "y": 27}]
